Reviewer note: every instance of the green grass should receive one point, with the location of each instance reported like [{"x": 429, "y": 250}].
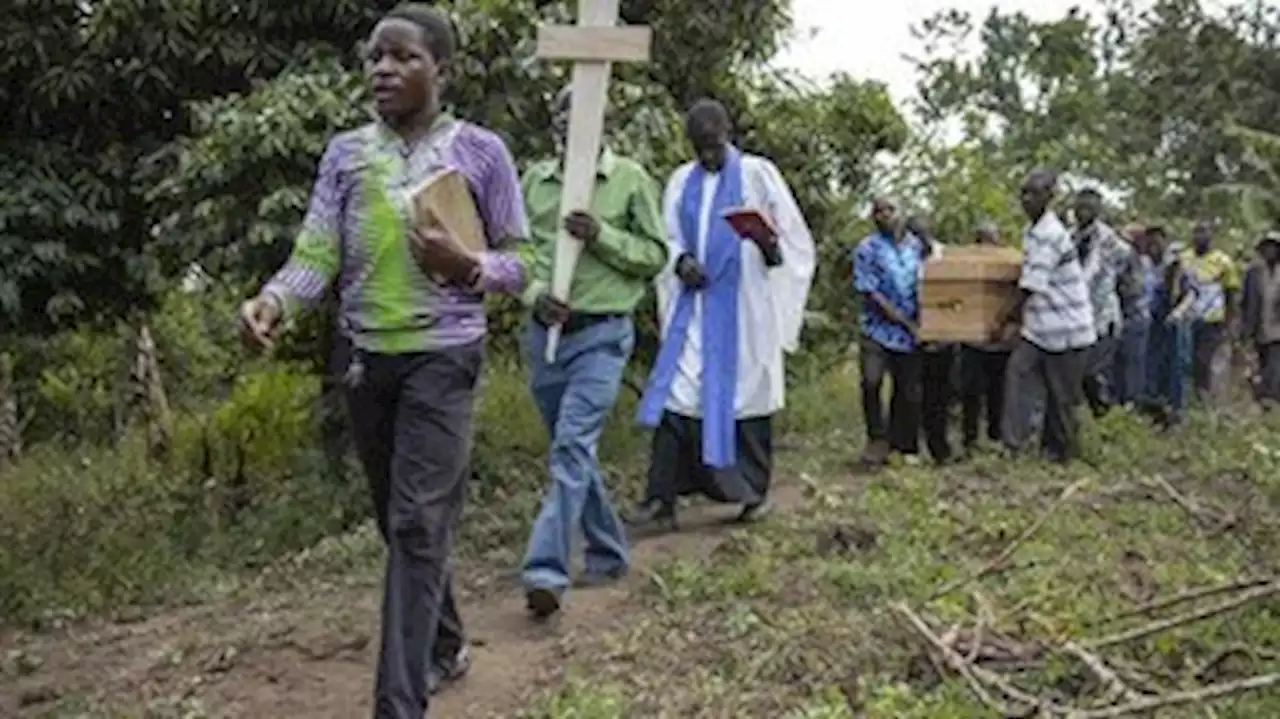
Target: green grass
[{"x": 793, "y": 618}]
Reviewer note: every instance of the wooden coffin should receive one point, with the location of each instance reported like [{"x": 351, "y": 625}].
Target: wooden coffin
[{"x": 965, "y": 292}]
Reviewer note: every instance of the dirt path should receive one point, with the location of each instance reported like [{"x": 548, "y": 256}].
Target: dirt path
[{"x": 312, "y": 656}]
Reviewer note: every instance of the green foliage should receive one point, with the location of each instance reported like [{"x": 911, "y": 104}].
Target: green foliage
[{"x": 1139, "y": 99}]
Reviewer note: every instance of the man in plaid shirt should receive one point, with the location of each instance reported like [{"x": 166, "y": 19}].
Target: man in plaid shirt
[
  {"x": 1056, "y": 312},
  {"x": 1109, "y": 271}
]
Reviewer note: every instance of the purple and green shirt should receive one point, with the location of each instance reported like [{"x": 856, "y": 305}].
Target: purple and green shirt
[{"x": 356, "y": 234}]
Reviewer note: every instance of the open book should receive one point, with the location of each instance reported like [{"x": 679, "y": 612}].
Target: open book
[
  {"x": 444, "y": 201},
  {"x": 746, "y": 221}
]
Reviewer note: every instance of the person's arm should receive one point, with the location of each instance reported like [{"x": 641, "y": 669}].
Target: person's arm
[
  {"x": 1230, "y": 289},
  {"x": 1189, "y": 291},
  {"x": 638, "y": 250},
  {"x": 501, "y": 207},
  {"x": 313, "y": 265}
]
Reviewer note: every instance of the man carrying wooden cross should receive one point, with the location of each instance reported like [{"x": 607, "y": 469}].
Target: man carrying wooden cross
[
  {"x": 624, "y": 249},
  {"x": 730, "y": 303}
]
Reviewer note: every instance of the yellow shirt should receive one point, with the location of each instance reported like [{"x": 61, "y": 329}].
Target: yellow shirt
[{"x": 1215, "y": 274}]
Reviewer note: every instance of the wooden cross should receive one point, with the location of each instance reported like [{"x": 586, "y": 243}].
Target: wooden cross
[{"x": 593, "y": 44}]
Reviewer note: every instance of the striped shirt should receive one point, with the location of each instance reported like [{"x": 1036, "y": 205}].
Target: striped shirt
[
  {"x": 1058, "y": 316},
  {"x": 1107, "y": 265},
  {"x": 356, "y": 227}
]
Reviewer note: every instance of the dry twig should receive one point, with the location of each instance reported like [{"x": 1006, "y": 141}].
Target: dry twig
[
  {"x": 1115, "y": 686},
  {"x": 999, "y": 561},
  {"x": 1208, "y": 520},
  {"x": 1147, "y": 630},
  {"x": 1192, "y": 696},
  {"x": 1190, "y": 595},
  {"x": 977, "y": 677}
]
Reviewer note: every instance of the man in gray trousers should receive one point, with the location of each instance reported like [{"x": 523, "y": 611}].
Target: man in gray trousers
[{"x": 1056, "y": 313}]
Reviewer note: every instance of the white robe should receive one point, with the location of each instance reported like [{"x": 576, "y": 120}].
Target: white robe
[{"x": 771, "y": 302}]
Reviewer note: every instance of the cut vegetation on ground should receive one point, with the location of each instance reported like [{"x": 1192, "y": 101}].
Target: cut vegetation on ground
[{"x": 1144, "y": 578}]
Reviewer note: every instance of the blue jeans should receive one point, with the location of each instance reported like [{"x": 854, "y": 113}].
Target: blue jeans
[
  {"x": 1130, "y": 374},
  {"x": 575, "y": 396},
  {"x": 1168, "y": 359}
]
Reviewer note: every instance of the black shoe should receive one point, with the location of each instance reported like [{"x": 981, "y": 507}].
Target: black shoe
[
  {"x": 543, "y": 603},
  {"x": 654, "y": 512},
  {"x": 755, "y": 512},
  {"x": 448, "y": 670}
]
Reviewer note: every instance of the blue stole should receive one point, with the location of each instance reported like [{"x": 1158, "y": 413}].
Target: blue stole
[{"x": 722, "y": 266}]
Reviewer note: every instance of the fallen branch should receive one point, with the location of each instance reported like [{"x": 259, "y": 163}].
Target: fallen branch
[
  {"x": 1147, "y": 630},
  {"x": 977, "y": 677},
  {"x": 1188, "y": 596},
  {"x": 1208, "y": 519},
  {"x": 1115, "y": 686},
  {"x": 999, "y": 561},
  {"x": 1203, "y": 694}
]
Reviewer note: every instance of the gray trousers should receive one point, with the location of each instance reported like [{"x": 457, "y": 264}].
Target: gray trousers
[
  {"x": 411, "y": 419},
  {"x": 1037, "y": 379}
]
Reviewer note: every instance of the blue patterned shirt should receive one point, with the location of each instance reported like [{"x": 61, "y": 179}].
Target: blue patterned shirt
[{"x": 892, "y": 270}]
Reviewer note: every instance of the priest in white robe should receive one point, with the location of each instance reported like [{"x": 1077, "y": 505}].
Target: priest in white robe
[{"x": 730, "y": 302}]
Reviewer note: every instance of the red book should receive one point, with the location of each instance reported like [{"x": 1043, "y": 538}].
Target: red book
[{"x": 748, "y": 222}]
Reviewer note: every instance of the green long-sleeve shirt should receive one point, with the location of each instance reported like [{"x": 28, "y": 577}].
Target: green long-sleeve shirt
[{"x": 614, "y": 272}]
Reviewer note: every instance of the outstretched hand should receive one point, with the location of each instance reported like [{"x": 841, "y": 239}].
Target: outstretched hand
[{"x": 259, "y": 322}]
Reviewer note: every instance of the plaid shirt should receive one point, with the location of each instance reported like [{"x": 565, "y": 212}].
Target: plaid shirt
[
  {"x": 1107, "y": 261},
  {"x": 1058, "y": 316}
]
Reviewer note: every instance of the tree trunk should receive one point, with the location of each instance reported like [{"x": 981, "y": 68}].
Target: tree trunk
[
  {"x": 10, "y": 429},
  {"x": 149, "y": 392}
]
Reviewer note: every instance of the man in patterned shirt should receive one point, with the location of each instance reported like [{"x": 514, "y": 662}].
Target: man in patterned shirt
[
  {"x": 886, "y": 274},
  {"x": 1057, "y": 328},
  {"x": 1108, "y": 264},
  {"x": 412, "y": 304}
]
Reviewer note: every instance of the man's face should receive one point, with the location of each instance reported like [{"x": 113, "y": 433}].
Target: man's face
[
  {"x": 710, "y": 143},
  {"x": 1154, "y": 244},
  {"x": 1270, "y": 252},
  {"x": 1202, "y": 237},
  {"x": 1086, "y": 210},
  {"x": 884, "y": 214},
  {"x": 1034, "y": 197},
  {"x": 402, "y": 73}
]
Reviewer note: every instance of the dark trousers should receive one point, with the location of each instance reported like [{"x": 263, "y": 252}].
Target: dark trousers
[
  {"x": 1129, "y": 370},
  {"x": 676, "y": 468},
  {"x": 1037, "y": 378},
  {"x": 1268, "y": 390},
  {"x": 982, "y": 392},
  {"x": 902, "y": 429},
  {"x": 411, "y": 417},
  {"x": 335, "y": 426},
  {"x": 936, "y": 395},
  {"x": 1099, "y": 369},
  {"x": 1206, "y": 341}
]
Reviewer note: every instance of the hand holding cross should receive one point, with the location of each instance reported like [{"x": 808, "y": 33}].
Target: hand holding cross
[{"x": 592, "y": 45}]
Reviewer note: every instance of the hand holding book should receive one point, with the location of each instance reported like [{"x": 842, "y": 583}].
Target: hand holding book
[{"x": 751, "y": 224}]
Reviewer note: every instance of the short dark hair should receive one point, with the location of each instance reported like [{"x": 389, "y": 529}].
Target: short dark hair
[
  {"x": 1155, "y": 230},
  {"x": 438, "y": 32},
  {"x": 1090, "y": 192},
  {"x": 1043, "y": 177},
  {"x": 709, "y": 112}
]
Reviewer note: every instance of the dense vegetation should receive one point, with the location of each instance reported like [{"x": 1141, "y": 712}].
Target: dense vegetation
[{"x": 140, "y": 138}]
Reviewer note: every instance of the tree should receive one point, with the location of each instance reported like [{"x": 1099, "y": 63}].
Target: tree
[
  {"x": 1140, "y": 100},
  {"x": 93, "y": 91}
]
